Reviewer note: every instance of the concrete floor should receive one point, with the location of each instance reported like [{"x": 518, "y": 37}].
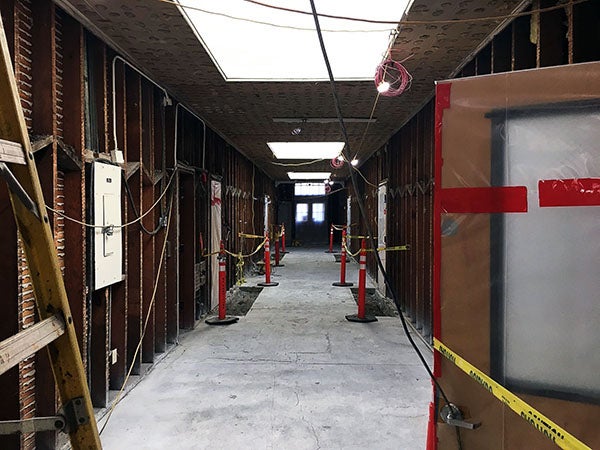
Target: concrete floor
[{"x": 292, "y": 374}]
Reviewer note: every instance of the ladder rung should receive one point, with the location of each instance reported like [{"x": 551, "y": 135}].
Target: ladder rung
[
  {"x": 24, "y": 344},
  {"x": 11, "y": 152}
]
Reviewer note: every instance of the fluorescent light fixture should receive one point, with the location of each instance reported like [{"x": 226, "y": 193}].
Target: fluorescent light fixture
[
  {"x": 305, "y": 150},
  {"x": 308, "y": 175},
  {"x": 285, "y": 45}
]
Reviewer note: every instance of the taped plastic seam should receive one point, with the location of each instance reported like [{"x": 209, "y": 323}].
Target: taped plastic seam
[
  {"x": 442, "y": 102},
  {"x": 484, "y": 200},
  {"x": 569, "y": 192}
]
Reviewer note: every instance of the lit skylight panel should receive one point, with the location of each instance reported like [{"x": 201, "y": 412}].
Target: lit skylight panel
[
  {"x": 309, "y": 175},
  {"x": 305, "y": 189},
  {"x": 305, "y": 150},
  {"x": 248, "y": 50}
]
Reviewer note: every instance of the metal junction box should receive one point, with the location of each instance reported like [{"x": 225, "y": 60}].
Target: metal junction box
[{"x": 108, "y": 246}]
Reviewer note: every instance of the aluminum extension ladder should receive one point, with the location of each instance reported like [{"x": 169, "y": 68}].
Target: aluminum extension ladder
[{"x": 55, "y": 329}]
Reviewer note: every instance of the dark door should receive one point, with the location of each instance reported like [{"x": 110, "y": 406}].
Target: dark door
[{"x": 311, "y": 228}]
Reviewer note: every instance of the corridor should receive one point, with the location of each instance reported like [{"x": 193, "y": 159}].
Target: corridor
[{"x": 291, "y": 374}]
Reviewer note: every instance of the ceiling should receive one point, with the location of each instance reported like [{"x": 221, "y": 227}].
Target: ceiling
[{"x": 155, "y": 36}]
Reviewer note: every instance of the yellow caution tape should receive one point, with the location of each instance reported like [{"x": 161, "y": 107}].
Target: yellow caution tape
[
  {"x": 380, "y": 249},
  {"x": 239, "y": 255},
  {"x": 356, "y": 237},
  {"x": 250, "y": 236},
  {"x": 391, "y": 249},
  {"x": 239, "y": 270},
  {"x": 349, "y": 252},
  {"x": 536, "y": 419}
]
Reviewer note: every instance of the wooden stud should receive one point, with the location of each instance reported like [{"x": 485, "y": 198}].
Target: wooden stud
[
  {"x": 101, "y": 299},
  {"x": 41, "y": 255},
  {"x": 134, "y": 243},
  {"x": 118, "y": 316},
  {"x": 149, "y": 222}
]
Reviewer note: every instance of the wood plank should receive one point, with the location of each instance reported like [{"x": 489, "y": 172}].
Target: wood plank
[
  {"x": 11, "y": 152},
  {"x": 41, "y": 142},
  {"x": 131, "y": 168},
  {"x": 24, "y": 344}
]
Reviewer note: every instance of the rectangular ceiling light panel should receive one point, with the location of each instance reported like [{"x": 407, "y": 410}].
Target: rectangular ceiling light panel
[
  {"x": 250, "y": 42},
  {"x": 306, "y": 150},
  {"x": 309, "y": 175}
]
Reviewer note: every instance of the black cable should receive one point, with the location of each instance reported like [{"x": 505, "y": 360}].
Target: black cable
[
  {"x": 363, "y": 214},
  {"x": 458, "y": 438},
  {"x": 135, "y": 211}
]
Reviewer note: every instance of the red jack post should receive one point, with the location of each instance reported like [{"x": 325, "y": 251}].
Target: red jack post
[
  {"x": 277, "y": 255},
  {"x": 283, "y": 239},
  {"x": 343, "y": 282},
  {"x": 362, "y": 288},
  {"x": 222, "y": 318},
  {"x": 267, "y": 282},
  {"x": 330, "y": 240},
  {"x": 431, "y": 431}
]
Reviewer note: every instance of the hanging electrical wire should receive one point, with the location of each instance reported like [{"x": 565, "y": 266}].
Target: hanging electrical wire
[
  {"x": 421, "y": 22},
  {"x": 305, "y": 163},
  {"x": 337, "y": 162},
  {"x": 386, "y": 55},
  {"x": 391, "y": 78},
  {"x": 363, "y": 214},
  {"x": 125, "y": 225},
  {"x": 118, "y": 398},
  {"x": 159, "y": 226},
  {"x": 269, "y": 24}
]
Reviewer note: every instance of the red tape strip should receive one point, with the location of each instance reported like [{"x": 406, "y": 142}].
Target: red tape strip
[
  {"x": 484, "y": 200},
  {"x": 569, "y": 192}
]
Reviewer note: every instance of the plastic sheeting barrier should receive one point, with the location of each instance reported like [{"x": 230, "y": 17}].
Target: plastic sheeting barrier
[{"x": 516, "y": 251}]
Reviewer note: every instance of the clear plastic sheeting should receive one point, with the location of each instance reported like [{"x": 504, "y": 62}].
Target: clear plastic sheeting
[
  {"x": 551, "y": 255},
  {"x": 517, "y": 282}
]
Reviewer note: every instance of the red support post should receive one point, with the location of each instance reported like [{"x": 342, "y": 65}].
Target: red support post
[
  {"x": 222, "y": 282},
  {"x": 431, "y": 431},
  {"x": 267, "y": 261},
  {"x": 277, "y": 254},
  {"x": 330, "y": 240},
  {"x": 283, "y": 238},
  {"x": 362, "y": 280},
  {"x": 222, "y": 318},
  {"x": 267, "y": 281},
  {"x": 362, "y": 287},
  {"x": 342, "y": 282}
]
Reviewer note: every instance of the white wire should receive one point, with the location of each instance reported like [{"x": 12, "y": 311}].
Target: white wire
[
  {"x": 89, "y": 225},
  {"x": 306, "y": 163}
]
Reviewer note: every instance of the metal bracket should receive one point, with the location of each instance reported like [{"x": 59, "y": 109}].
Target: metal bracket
[
  {"x": 108, "y": 230},
  {"x": 452, "y": 415},
  {"x": 53, "y": 423},
  {"x": 75, "y": 414},
  {"x": 68, "y": 419}
]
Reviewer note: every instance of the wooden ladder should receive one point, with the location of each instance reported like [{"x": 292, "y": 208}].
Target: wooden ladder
[{"x": 55, "y": 329}]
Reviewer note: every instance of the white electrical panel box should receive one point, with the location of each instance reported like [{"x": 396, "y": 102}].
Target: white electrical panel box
[{"x": 108, "y": 244}]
